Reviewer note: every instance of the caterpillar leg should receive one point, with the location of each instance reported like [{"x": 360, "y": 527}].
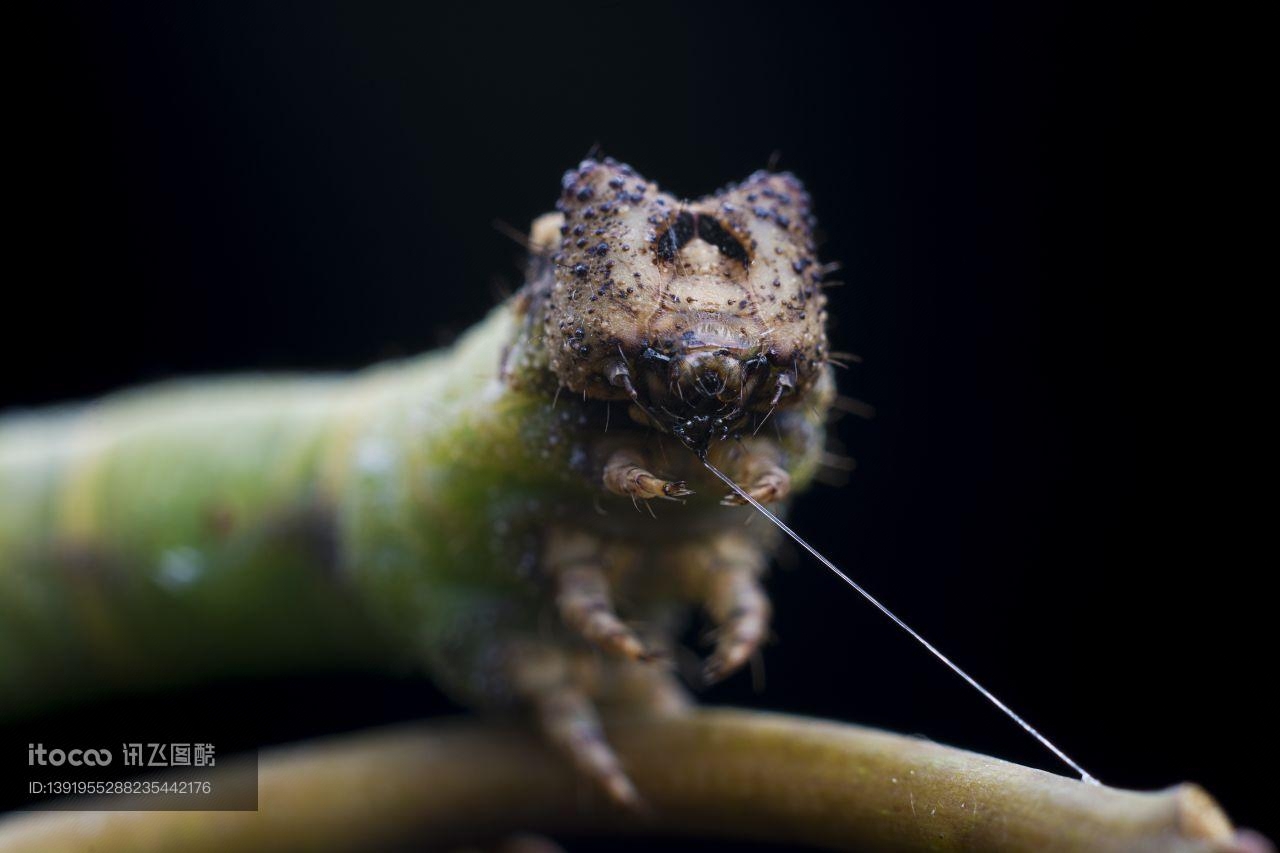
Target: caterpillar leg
[
  {"x": 626, "y": 474},
  {"x": 569, "y": 720},
  {"x": 576, "y": 563},
  {"x": 725, "y": 576},
  {"x": 758, "y": 468},
  {"x": 557, "y": 691}
]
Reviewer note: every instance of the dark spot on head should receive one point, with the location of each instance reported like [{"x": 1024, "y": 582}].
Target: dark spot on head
[
  {"x": 713, "y": 232},
  {"x": 671, "y": 241}
]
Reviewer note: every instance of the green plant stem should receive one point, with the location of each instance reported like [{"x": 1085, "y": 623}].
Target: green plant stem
[{"x": 724, "y": 773}]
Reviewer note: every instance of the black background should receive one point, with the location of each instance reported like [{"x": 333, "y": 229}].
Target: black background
[{"x": 1042, "y": 492}]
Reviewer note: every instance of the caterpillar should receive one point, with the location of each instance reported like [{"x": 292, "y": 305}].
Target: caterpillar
[{"x": 526, "y": 516}]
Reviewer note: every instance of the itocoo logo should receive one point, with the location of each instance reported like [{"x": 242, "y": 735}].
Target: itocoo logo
[{"x": 38, "y": 755}]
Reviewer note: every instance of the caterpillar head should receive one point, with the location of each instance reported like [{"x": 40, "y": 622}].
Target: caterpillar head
[{"x": 703, "y": 313}]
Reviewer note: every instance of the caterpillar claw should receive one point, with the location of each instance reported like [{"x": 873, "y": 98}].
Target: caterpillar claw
[
  {"x": 715, "y": 670},
  {"x": 677, "y": 489},
  {"x": 770, "y": 487},
  {"x": 759, "y": 468},
  {"x": 625, "y": 474}
]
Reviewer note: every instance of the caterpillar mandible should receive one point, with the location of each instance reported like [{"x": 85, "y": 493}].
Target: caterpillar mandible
[{"x": 437, "y": 511}]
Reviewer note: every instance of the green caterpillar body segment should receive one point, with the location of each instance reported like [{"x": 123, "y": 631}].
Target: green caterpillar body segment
[
  {"x": 520, "y": 516},
  {"x": 256, "y": 523}
]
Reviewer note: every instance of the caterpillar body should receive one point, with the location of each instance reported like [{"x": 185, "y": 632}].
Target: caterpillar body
[{"x": 476, "y": 512}]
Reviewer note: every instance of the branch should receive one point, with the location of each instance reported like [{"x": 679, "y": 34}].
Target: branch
[{"x": 723, "y": 773}]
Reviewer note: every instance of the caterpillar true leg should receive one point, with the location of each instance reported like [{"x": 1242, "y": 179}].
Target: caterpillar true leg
[
  {"x": 626, "y": 474},
  {"x": 576, "y": 563},
  {"x": 546, "y": 678},
  {"x": 758, "y": 467},
  {"x": 725, "y": 577},
  {"x": 569, "y": 720}
]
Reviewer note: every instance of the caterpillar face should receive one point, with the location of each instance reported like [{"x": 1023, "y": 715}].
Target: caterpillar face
[{"x": 703, "y": 313}]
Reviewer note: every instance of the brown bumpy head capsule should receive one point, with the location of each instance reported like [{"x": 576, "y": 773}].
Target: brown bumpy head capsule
[{"x": 702, "y": 312}]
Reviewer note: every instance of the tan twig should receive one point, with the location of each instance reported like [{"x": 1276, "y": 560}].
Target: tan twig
[{"x": 724, "y": 773}]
